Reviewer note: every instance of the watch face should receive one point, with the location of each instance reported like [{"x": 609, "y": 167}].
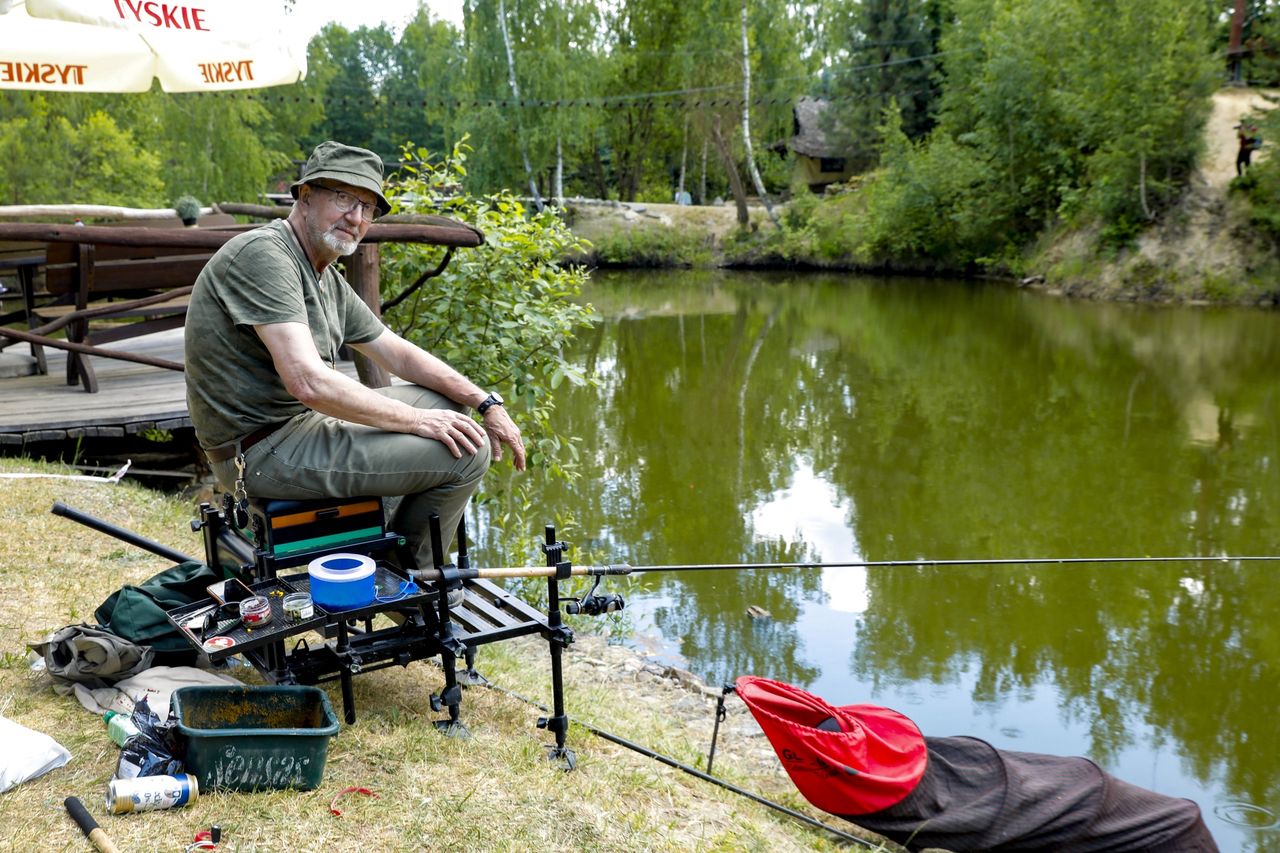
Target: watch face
[{"x": 497, "y": 398}]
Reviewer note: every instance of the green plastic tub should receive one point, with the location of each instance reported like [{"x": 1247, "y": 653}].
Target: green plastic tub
[{"x": 255, "y": 738}]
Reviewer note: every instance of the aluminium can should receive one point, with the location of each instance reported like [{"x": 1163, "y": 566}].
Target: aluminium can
[{"x": 144, "y": 793}]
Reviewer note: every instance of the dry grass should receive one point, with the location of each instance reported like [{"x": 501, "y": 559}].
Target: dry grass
[{"x": 491, "y": 792}]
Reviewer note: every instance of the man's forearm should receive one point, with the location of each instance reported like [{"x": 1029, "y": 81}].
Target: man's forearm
[
  {"x": 420, "y": 367},
  {"x": 332, "y": 393}
]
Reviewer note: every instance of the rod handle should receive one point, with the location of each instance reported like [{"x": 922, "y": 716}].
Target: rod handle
[{"x": 89, "y": 826}]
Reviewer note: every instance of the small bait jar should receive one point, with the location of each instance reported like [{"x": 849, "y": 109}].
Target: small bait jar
[
  {"x": 255, "y": 611},
  {"x": 298, "y": 606}
]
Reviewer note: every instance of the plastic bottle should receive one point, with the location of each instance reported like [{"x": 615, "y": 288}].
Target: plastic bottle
[{"x": 120, "y": 727}]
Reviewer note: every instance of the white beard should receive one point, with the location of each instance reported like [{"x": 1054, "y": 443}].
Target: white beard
[{"x": 334, "y": 243}]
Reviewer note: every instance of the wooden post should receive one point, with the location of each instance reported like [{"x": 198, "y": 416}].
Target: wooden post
[
  {"x": 362, "y": 273},
  {"x": 731, "y": 169},
  {"x": 1236, "y": 50}
]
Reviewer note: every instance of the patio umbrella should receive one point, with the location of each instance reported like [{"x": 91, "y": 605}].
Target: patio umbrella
[{"x": 122, "y": 45}]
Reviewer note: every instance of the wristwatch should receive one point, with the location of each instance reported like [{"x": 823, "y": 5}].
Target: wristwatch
[{"x": 494, "y": 399}]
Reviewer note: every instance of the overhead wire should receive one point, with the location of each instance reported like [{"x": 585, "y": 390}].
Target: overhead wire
[
  {"x": 606, "y": 101},
  {"x": 716, "y": 51}
]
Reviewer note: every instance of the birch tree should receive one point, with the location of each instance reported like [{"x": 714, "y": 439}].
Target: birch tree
[
  {"x": 746, "y": 120},
  {"x": 515, "y": 92}
]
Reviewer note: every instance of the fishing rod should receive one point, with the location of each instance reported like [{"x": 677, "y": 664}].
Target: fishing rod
[
  {"x": 695, "y": 772},
  {"x": 566, "y": 570}
]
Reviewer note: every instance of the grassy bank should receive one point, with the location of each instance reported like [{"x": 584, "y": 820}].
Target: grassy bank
[
  {"x": 1207, "y": 250},
  {"x": 1215, "y": 239},
  {"x": 491, "y": 792}
]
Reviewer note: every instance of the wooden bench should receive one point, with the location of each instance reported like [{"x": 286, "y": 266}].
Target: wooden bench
[
  {"x": 139, "y": 279},
  {"x": 19, "y": 265},
  {"x": 103, "y": 291}
]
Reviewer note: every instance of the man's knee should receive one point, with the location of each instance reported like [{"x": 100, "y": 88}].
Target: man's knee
[{"x": 479, "y": 462}]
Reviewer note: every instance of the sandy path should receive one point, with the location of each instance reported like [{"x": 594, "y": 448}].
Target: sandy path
[{"x": 1229, "y": 105}]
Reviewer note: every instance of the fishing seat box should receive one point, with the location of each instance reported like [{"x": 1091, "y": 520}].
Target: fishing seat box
[
  {"x": 287, "y": 527},
  {"x": 254, "y": 738}
]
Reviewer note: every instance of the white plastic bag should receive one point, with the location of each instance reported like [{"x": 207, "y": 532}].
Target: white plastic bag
[{"x": 27, "y": 754}]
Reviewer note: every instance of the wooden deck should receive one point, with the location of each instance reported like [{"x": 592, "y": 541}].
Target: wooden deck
[{"x": 133, "y": 397}]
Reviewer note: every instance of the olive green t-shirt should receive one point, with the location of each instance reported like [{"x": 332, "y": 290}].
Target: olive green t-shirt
[{"x": 260, "y": 277}]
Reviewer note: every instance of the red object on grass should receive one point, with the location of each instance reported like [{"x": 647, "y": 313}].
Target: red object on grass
[
  {"x": 354, "y": 789},
  {"x": 864, "y": 758}
]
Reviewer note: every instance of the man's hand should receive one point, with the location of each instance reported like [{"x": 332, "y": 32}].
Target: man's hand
[
  {"x": 502, "y": 430},
  {"x": 454, "y": 430}
]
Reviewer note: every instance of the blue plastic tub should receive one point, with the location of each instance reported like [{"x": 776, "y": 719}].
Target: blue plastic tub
[{"x": 343, "y": 581}]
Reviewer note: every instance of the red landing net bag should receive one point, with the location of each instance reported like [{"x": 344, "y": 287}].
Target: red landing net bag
[{"x": 872, "y": 762}]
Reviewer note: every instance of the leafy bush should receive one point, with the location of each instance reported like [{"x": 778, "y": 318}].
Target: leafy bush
[
  {"x": 655, "y": 246},
  {"x": 504, "y": 313},
  {"x": 788, "y": 244},
  {"x": 928, "y": 201},
  {"x": 1069, "y": 111},
  {"x": 1260, "y": 184},
  {"x": 798, "y": 214}
]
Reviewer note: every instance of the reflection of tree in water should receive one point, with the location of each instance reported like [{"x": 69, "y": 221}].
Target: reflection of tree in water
[
  {"x": 697, "y": 506},
  {"x": 667, "y": 478},
  {"x": 718, "y": 637},
  {"x": 961, "y": 422},
  {"x": 932, "y": 462}
]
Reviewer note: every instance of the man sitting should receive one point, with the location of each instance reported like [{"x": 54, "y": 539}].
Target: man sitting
[{"x": 267, "y": 317}]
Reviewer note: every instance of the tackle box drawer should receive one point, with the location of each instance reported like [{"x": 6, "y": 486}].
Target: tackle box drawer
[{"x": 290, "y": 526}]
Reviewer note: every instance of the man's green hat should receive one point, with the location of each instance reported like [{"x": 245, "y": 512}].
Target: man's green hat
[{"x": 356, "y": 167}]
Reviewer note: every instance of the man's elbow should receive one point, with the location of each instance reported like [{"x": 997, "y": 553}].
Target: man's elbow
[{"x": 309, "y": 390}]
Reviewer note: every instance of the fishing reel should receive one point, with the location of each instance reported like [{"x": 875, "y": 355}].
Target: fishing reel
[{"x": 593, "y": 604}]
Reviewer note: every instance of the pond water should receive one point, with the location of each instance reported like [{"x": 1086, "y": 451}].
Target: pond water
[{"x": 783, "y": 417}]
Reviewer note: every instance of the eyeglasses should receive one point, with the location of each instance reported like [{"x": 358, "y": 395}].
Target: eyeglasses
[
  {"x": 220, "y": 620},
  {"x": 347, "y": 202}
]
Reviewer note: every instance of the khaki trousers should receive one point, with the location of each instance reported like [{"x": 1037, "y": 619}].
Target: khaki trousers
[{"x": 316, "y": 456}]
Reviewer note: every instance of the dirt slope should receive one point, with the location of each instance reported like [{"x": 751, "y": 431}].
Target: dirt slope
[
  {"x": 1202, "y": 250},
  {"x": 1218, "y": 165},
  {"x": 1204, "y": 241}
]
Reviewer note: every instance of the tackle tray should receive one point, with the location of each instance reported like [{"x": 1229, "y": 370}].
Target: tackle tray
[
  {"x": 188, "y": 620},
  {"x": 387, "y": 587}
]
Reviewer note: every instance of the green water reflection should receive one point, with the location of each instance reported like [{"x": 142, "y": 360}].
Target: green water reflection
[{"x": 750, "y": 418}]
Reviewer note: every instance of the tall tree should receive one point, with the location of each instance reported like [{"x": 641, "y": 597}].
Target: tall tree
[
  {"x": 886, "y": 54},
  {"x": 69, "y": 150},
  {"x": 214, "y": 146},
  {"x": 644, "y": 32},
  {"x": 351, "y": 92},
  {"x": 515, "y": 93},
  {"x": 746, "y": 120},
  {"x": 422, "y": 93}
]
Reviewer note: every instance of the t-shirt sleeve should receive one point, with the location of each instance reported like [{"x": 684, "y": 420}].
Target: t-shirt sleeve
[
  {"x": 261, "y": 284},
  {"x": 360, "y": 326}
]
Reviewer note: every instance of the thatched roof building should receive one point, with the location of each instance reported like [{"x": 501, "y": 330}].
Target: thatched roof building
[
  {"x": 819, "y": 160},
  {"x": 809, "y": 137}
]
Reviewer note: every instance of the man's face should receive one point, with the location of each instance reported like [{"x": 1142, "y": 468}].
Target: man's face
[{"x": 339, "y": 216}]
